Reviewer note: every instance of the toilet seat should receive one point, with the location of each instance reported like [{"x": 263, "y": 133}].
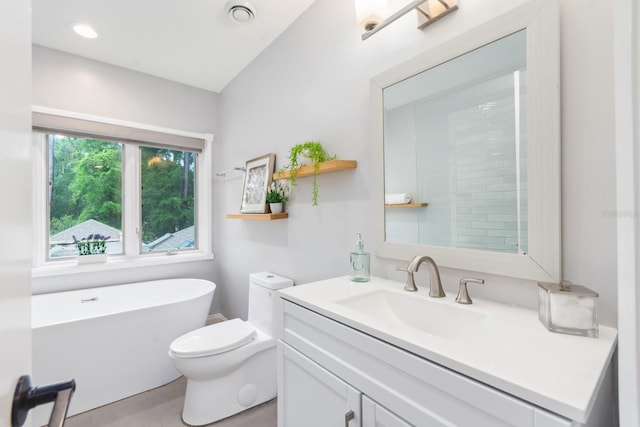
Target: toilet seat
[{"x": 213, "y": 339}]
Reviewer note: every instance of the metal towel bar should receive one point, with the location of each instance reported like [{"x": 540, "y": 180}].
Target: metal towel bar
[{"x": 224, "y": 173}]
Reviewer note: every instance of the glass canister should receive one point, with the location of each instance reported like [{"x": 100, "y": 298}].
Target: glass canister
[{"x": 567, "y": 308}]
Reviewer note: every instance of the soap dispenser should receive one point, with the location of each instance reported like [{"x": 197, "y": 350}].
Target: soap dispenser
[{"x": 359, "y": 260}]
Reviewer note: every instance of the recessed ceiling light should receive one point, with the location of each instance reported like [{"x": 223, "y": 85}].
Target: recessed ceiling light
[{"x": 84, "y": 30}]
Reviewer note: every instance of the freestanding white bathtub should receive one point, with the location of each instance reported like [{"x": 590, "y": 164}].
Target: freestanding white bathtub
[{"x": 113, "y": 340}]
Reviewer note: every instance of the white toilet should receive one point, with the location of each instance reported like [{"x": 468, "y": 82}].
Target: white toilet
[{"x": 231, "y": 366}]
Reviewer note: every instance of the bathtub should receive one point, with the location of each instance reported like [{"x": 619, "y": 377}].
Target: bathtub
[{"x": 113, "y": 340}]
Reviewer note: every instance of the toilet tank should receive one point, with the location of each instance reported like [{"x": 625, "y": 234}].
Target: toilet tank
[{"x": 263, "y": 301}]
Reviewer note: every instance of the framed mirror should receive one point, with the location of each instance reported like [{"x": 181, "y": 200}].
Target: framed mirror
[{"x": 469, "y": 134}]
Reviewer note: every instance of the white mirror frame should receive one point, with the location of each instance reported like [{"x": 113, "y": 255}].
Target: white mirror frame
[{"x": 543, "y": 262}]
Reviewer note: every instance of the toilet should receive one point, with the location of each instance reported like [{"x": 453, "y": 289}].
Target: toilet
[{"x": 231, "y": 366}]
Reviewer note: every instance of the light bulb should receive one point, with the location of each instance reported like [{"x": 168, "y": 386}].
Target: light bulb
[
  {"x": 370, "y": 13},
  {"x": 84, "y": 30}
]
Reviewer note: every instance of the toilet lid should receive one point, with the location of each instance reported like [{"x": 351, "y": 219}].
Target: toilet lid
[{"x": 213, "y": 339}]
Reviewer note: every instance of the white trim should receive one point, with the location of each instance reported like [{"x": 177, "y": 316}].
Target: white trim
[
  {"x": 204, "y": 200},
  {"x": 67, "y": 267},
  {"x": 543, "y": 260},
  {"x": 627, "y": 109},
  {"x": 117, "y": 122},
  {"x": 39, "y": 198},
  {"x": 131, "y": 194}
]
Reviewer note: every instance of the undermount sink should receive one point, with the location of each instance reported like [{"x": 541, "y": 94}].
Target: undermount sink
[{"x": 401, "y": 310}]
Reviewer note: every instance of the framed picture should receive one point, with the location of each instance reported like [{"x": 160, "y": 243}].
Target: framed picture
[{"x": 257, "y": 180}]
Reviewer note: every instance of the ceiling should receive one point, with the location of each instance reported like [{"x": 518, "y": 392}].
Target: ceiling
[{"x": 188, "y": 41}]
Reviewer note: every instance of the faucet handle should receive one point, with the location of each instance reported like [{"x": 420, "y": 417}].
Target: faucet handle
[
  {"x": 409, "y": 284},
  {"x": 463, "y": 294}
]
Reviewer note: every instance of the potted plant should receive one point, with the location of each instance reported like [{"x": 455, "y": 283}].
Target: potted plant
[
  {"x": 313, "y": 151},
  {"x": 277, "y": 195},
  {"x": 91, "y": 248}
]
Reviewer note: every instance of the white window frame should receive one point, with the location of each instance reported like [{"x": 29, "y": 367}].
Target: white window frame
[{"x": 132, "y": 255}]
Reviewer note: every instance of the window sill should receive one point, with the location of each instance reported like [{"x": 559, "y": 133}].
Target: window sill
[{"x": 116, "y": 262}]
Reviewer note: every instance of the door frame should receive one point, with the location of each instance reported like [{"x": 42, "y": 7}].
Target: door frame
[
  {"x": 627, "y": 128},
  {"x": 15, "y": 193}
]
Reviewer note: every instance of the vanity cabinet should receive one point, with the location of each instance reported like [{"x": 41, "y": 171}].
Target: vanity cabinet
[{"x": 330, "y": 374}]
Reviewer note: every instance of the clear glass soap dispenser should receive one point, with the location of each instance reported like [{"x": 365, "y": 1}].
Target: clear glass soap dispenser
[{"x": 360, "y": 262}]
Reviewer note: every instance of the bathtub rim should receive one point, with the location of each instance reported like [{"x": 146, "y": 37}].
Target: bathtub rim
[{"x": 111, "y": 312}]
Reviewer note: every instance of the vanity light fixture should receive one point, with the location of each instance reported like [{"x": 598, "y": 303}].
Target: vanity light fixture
[
  {"x": 83, "y": 30},
  {"x": 428, "y": 12},
  {"x": 370, "y": 13}
]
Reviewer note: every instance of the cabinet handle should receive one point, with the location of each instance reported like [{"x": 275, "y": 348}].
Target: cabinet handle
[{"x": 348, "y": 417}]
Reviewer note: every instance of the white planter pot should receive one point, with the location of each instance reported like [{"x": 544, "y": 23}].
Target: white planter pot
[
  {"x": 275, "y": 207},
  {"x": 91, "y": 259}
]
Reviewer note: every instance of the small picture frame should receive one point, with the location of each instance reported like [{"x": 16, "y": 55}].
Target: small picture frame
[{"x": 257, "y": 179}]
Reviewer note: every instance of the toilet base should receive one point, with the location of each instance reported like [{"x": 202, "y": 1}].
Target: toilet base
[{"x": 252, "y": 383}]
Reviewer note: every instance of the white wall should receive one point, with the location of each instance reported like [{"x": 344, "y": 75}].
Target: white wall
[
  {"x": 72, "y": 83},
  {"x": 313, "y": 83},
  {"x": 588, "y": 176}
]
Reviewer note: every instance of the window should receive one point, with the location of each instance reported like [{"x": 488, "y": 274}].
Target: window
[
  {"x": 137, "y": 188},
  {"x": 85, "y": 193},
  {"x": 168, "y": 199}
]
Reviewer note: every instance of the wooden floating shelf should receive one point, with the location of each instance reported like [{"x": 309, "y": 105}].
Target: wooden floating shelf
[
  {"x": 407, "y": 205},
  {"x": 324, "y": 167},
  {"x": 259, "y": 217}
]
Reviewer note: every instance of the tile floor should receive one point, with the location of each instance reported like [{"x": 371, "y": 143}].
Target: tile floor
[{"x": 161, "y": 407}]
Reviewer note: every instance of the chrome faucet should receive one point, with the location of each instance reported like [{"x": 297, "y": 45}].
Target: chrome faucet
[{"x": 435, "y": 289}]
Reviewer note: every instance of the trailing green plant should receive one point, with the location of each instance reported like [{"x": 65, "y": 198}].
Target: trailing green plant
[
  {"x": 313, "y": 151},
  {"x": 92, "y": 244}
]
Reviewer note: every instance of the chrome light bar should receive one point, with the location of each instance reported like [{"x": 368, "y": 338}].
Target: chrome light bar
[{"x": 426, "y": 14}]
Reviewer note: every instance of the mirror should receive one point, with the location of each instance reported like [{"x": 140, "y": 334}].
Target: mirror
[
  {"x": 470, "y": 130},
  {"x": 455, "y": 139}
]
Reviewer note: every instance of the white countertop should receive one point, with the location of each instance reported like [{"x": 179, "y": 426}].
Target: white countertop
[{"x": 509, "y": 350}]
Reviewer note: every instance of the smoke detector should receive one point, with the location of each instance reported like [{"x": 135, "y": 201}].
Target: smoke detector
[{"x": 240, "y": 11}]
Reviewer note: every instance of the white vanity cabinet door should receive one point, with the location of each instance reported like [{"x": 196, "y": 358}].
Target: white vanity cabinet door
[
  {"x": 375, "y": 415},
  {"x": 310, "y": 396}
]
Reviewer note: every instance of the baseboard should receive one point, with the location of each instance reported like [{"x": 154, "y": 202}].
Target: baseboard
[{"x": 215, "y": 318}]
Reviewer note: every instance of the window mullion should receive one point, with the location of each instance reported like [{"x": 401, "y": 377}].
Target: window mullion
[{"x": 131, "y": 195}]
